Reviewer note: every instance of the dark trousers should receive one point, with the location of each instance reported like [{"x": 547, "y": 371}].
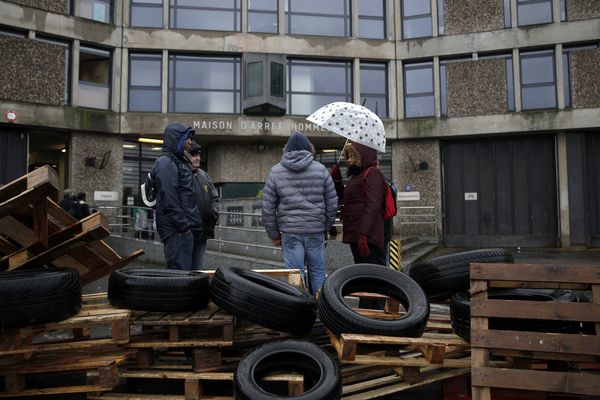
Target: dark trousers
[
  {"x": 178, "y": 249},
  {"x": 377, "y": 256}
]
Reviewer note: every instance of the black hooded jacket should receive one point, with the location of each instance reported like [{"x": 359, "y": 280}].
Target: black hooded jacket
[{"x": 176, "y": 206}]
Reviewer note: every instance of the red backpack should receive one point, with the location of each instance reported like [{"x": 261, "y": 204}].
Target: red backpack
[{"x": 389, "y": 208}]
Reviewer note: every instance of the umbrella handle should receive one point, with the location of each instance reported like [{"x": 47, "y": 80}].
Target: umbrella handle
[{"x": 342, "y": 153}]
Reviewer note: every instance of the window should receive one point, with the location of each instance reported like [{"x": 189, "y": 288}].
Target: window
[
  {"x": 204, "y": 84},
  {"x": 263, "y": 16},
  {"x": 145, "y": 82},
  {"x": 217, "y": 15},
  {"x": 94, "y": 78},
  {"x": 317, "y": 17},
  {"x": 67, "y": 48},
  {"x": 531, "y": 12},
  {"x": 507, "y": 14},
  {"x": 138, "y": 159},
  {"x": 147, "y": 13},
  {"x": 418, "y": 90},
  {"x": 313, "y": 84},
  {"x": 416, "y": 18},
  {"x": 441, "y": 17},
  {"x": 12, "y": 32},
  {"x": 538, "y": 80},
  {"x": 371, "y": 19},
  {"x": 566, "y": 57},
  {"x": 563, "y": 10},
  {"x": 98, "y": 10},
  {"x": 374, "y": 88},
  {"x": 234, "y": 219}
]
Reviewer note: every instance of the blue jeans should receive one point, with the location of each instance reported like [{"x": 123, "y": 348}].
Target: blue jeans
[
  {"x": 178, "y": 251},
  {"x": 198, "y": 253},
  {"x": 310, "y": 248}
]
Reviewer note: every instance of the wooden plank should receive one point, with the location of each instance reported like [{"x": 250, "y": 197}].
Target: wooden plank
[
  {"x": 56, "y": 391},
  {"x": 98, "y": 273},
  {"x": 546, "y": 310},
  {"x": 389, "y": 389},
  {"x": 21, "y": 201},
  {"x": 580, "y": 383},
  {"x": 44, "y": 178},
  {"x": 479, "y": 357},
  {"x": 40, "y": 221},
  {"x": 17, "y": 231},
  {"x": 407, "y": 362},
  {"x": 537, "y": 341},
  {"x": 536, "y": 273},
  {"x": 426, "y": 339}
]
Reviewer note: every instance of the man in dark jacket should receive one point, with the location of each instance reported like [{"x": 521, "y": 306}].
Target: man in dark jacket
[
  {"x": 177, "y": 217},
  {"x": 299, "y": 206},
  {"x": 208, "y": 205}
]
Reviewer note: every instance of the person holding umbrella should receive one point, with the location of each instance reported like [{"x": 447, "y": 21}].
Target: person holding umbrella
[{"x": 299, "y": 206}]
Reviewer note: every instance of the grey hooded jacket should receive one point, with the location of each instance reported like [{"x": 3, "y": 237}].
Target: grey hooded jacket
[{"x": 299, "y": 196}]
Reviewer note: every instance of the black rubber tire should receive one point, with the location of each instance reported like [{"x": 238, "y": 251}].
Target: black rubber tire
[
  {"x": 340, "y": 318},
  {"x": 154, "y": 289},
  {"x": 264, "y": 300},
  {"x": 460, "y": 312},
  {"x": 442, "y": 276},
  {"x": 322, "y": 377},
  {"x": 37, "y": 296}
]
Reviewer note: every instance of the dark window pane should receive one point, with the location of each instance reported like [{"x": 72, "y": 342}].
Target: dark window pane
[
  {"x": 371, "y": 29},
  {"x": 373, "y": 88},
  {"x": 306, "y": 104},
  {"x": 415, "y": 7},
  {"x": 416, "y": 27},
  {"x": 333, "y": 7},
  {"x": 145, "y": 72},
  {"x": 204, "y": 73},
  {"x": 319, "y": 25},
  {"x": 373, "y": 80},
  {"x": 539, "y": 97},
  {"x": 507, "y": 15},
  {"x": 510, "y": 86},
  {"x": 419, "y": 80},
  {"x": 262, "y": 5},
  {"x": 537, "y": 69},
  {"x": 318, "y": 78},
  {"x": 148, "y": 100},
  {"x": 255, "y": 79},
  {"x": 376, "y": 104},
  {"x": 148, "y": 17},
  {"x": 421, "y": 106},
  {"x": 277, "y": 83},
  {"x": 566, "y": 79},
  {"x": 209, "y": 102},
  {"x": 207, "y": 19},
  {"x": 262, "y": 22},
  {"x": 372, "y": 8},
  {"x": 534, "y": 12}
]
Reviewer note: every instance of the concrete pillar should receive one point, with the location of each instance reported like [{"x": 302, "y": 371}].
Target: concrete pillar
[
  {"x": 556, "y": 11},
  {"x": 124, "y": 79},
  {"x": 354, "y": 18},
  {"x": 400, "y": 85},
  {"x": 281, "y": 17},
  {"x": 75, "y": 73},
  {"x": 434, "y": 18},
  {"x": 563, "y": 190},
  {"x": 121, "y": 13},
  {"x": 390, "y": 19},
  {"x": 244, "y": 19},
  {"x": 393, "y": 95},
  {"x": 31, "y": 35},
  {"x": 118, "y": 79},
  {"x": 513, "y": 13},
  {"x": 356, "y": 81},
  {"x": 166, "y": 14}
]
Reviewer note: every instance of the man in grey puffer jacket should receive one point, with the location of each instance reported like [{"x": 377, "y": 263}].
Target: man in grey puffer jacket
[{"x": 299, "y": 206}]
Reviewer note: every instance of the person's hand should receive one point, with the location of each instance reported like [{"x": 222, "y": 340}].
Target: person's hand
[
  {"x": 336, "y": 174},
  {"x": 276, "y": 242},
  {"x": 363, "y": 246}
]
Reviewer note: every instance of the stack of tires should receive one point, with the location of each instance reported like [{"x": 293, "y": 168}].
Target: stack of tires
[{"x": 447, "y": 277}]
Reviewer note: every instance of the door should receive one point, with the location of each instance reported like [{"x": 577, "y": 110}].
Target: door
[
  {"x": 593, "y": 186},
  {"x": 13, "y": 154},
  {"x": 500, "y": 192}
]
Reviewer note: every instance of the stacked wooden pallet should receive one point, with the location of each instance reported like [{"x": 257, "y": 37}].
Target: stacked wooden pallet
[{"x": 565, "y": 363}]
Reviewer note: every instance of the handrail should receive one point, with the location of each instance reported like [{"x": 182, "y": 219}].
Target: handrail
[{"x": 419, "y": 215}]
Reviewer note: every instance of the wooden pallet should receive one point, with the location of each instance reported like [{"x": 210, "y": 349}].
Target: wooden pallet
[
  {"x": 36, "y": 231},
  {"x": 73, "y": 333},
  {"x": 534, "y": 353},
  {"x": 104, "y": 364}
]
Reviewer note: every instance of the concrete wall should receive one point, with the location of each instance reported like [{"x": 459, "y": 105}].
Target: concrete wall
[
  {"x": 466, "y": 16},
  {"x": 426, "y": 182},
  {"x": 476, "y": 88},
  {"x": 242, "y": 163},
  {"x": 585, "y": 78},
  {"x": 33, "y": 73},
  {"x": 55, "y": 6},
  {"x": 582, "y": 9},
  {"x": 90, "y": 179}
]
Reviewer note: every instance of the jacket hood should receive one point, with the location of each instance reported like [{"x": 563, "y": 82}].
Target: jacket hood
[
  {"x": 174, "y": 138},
  {"x": 367, "y": 155},
  {"x": 297, "y": 160}
]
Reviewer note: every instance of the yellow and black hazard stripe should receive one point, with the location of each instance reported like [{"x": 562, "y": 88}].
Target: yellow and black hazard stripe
[{"x": 395, "y": 255}]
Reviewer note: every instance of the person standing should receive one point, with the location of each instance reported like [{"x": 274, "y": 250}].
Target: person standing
[
  {"x": 177, "y": 218},
  {"x": 208, "y": 205},
  {"x": 299, "y": 206},
  {"x": 83, "y": 210}
]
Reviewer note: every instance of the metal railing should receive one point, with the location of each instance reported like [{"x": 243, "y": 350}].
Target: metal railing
[{"x": 420, "y": 216}]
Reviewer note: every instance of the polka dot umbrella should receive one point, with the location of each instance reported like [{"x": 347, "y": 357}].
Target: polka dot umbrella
[{"x": 352, "y": 121}]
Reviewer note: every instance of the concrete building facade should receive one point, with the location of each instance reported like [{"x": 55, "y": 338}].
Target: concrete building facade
[{"x": 491, "y": 107}]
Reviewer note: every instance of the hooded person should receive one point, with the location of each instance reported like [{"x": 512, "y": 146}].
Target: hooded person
[
  {"x": 177, "y": 218},
  {"x": 299, "y": 206}
]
